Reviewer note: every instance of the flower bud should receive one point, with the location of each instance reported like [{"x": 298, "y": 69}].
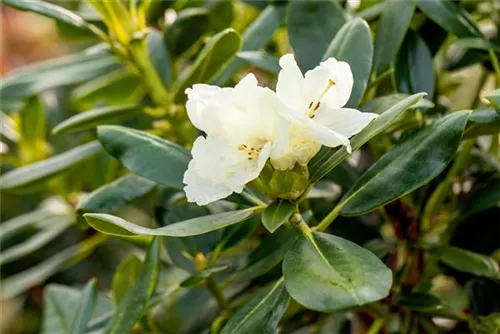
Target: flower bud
[{"x": 287, "y": 184}]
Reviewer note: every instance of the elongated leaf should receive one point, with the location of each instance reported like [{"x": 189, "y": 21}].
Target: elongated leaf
[
  {"x": 450, "y": 17},
  {"x": 57, "y": 226},
  {"x": 380, "y": 104},
  {"x": 189, "y": 26},
  {"x": 311, "y": 27},
  {"x": 276, "y": 214},
  {"x": 494, "y": 97},
  {"x": 33, "y": 121},
  {"x": 159, "y": 55},
  {"x": 200, "y": 276},
  {"x": 92, "y": 118},
  {"x": 324, "y": 163},
  {"x": 261, "y": 59},
  {"x": 476, "y": 43},
  {"x": 391, "y": 30},
  {"x": 469, "y": 262},
  {"x": 214, "y": 57},
  {"x": 112, "y": 225},
  {"x": 125, "y": 276},
  {"x": 18, "y": 283},
  {"x": 21, "y": 223},
  {"x": 408, "y": 166},
  {"x": 353, "y": 44},
  {"x": 85, "y": 308},
  {"x": 483, "y": 199},
  {"x": 327, "y": 273},
  {"x": 482, "y": 122},
  {"x": 419, "y": 301},
  {"x": 255, "y": 37},
  {"x": 114, "y": 195},
  {"x": 133, "y": 304},
  {"x": 414, "y": 71},
  {"x": 143, "y": 153},
  {"x": 262, "y": 314},
  {"x": 27, "y": 177}
]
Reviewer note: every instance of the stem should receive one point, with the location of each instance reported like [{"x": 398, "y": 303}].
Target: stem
[
  {"x": 216, "y": 291},
  {"x": 438, "y": 196},
  {"x": 376, "y": 326},
  {"x": 323, "y": 225},
  {"x": 299, "y": 223},
  {"x": 496, "y": 65}
]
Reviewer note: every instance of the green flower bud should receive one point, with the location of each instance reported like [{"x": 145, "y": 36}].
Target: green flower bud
[{"x": 287, "y": 184}]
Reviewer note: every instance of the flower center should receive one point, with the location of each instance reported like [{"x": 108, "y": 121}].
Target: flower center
[
  {"x": 252, "y": 152},
  {"x": 314, "y": 105}
]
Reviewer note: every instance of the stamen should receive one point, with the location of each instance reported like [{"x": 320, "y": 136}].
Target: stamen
[{"x": 313, "y": 106}]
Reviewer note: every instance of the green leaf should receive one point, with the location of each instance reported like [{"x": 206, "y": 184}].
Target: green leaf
[
  {"x": 52, "y": 11},
  {"x": 20, "y": 282},
  {"x": 380, "y": 104},
  {"x": 125, "y": 276},
  {"x": 200, "y": 276},
  {"x": 277, "y": 213},
  {"x": 92, "y": 118},
  {"x": 483, "y": 121},
  {"x": 327, "y": 273},
  {"x": 33, "y": 120},
  {"x": 54, "y": 227},
  {"x": 134, "y": 302},
  {"x": 112, "y": 225},
  {"x": 255, "y": 37},
  {"x": 262, "y": 314},
  {"x": 115, "y": 195},
  {"x": 159, "y": 55},
  {"x": 311, "y": 27},
  {"x": 261, "y": 59},
  {"x": 188, "y": 28},
  {"x": 322, "y": 164},
  {"x": 214, "y": 57},
  {"x": 27, "y": 177},
  {"x": 407, "y": 166},
  {"x": 483, "y": 198},
  {"x": 62, "y": 71},
  {"x": 476, "y": 43},
  {"x": 469, "y": 262},
  {"x": 450, "y": 17},
  {"x": 414, "y": 72},
  {"x": 35, "y": 219},
  {"x": 353, "y": 44},
  {"x": 221, "y": 15},
  {"x": 142, "y": 153},
  {"x": 494, "y": 97},
  {"x": 391, "y": 30},
  {"x": 85, "y": 308},
  {"x": 420, "y": 301}
]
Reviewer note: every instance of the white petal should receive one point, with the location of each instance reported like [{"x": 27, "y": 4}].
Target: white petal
[
  {"x": 290, "y": 86},
  {"x": 202, "y": 190},
  {"x": 196, "y": 99},
  {"x": 345, "y": 121},
  {"x": 248, "y": 81},
  {"x": 316, "y": 80}
]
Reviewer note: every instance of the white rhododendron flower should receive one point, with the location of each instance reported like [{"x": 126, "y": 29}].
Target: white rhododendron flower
[
  {"x": 241, "y": 125},
  {"x": 314, "y": 104}
]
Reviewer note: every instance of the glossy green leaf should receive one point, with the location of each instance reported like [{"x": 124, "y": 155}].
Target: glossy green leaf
[
  {"x": 262, "y": 314},
  {"x": 142, "y": 153},
  {"x": 476, "y": 43},
  {"x": 115, "y": 195},
  {"x": 450, "y": 17},
  {"x": 67, "y": 70},
  {"x": 311, "y": 27},
  {"x": 483, "y": 198},
  {"x": 112, "y": 225},
  {"x": 414, "y": 72},
  {"x": 260, "y": 59},
  {"x": 214, "y": 57},
  {"x": 380, "y": 104},
  {"x": 32, "y": 120},
  {"x": 420, "y": 301},
  {"x": 187, "y": 29},
  {"x": 125, "y": 276},
  {"x": 353, "y": 44},
  {"x": 134, "y": 302},
  {"x": 92, "y": 118},
  {"x": 29, "y": 176},
  {"x": 277, "y": 213},
  {"x": 19, "y": 224},
  {"x": 200, "y": 276},
  {"x": 160, "y": 56},
  {"x": 482, "y": 122},
  {"x": 85, "y": 308},
  {"x": 221, "y": 15},
  {"x": 52, "y": 229},
  {"x": 327, "y": 273},
  {"x": 469, "y": 262},
  {"x": 494, "y": 97},
  {"x": 322, "y": 164},
  {"x": 20, "y": 282},
  {"x": 255, "y": 37},
  {"x": 407, "y": 166},
  {"x": 391, "y": 30}
]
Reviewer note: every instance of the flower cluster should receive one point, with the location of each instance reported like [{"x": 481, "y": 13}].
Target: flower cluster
[{"x": 248, "y": 125}]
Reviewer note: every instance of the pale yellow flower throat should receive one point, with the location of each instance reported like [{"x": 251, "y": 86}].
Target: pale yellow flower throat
[
  {"x": 314, "y": 106},
  {"x": 251, "y": 152}
]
